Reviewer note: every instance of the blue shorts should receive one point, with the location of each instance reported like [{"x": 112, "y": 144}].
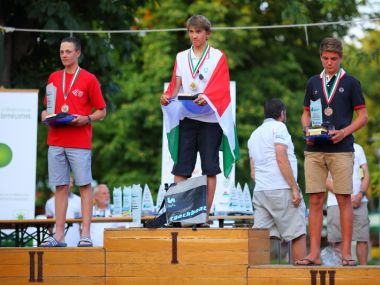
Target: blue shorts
[
  {"x": 63, "y": 160},
  {"x": 197, "y": 136}
]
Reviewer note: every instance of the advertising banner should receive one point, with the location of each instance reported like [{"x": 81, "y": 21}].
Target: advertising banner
[{"x": 18, "y": 148}]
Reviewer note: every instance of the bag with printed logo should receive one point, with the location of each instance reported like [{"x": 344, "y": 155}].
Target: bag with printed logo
[{"x": 186, "y": 202}]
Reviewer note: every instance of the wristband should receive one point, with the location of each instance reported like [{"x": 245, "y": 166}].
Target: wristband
[{"x": 363, "y": 193}]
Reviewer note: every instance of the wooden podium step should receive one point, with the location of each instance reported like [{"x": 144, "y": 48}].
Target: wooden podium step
[
  {"x": 314, "y": 275},
  {"x": 139, "y": 256},
  {"x": 71, "y": 265},
  {"x": 183, "y": 256}
]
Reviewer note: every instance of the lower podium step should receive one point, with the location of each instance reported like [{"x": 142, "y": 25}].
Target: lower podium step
[
  {"x": 70, "y": 265},
  {"x": 313, "y": 275},
  {"x": 183, "y": 256}
]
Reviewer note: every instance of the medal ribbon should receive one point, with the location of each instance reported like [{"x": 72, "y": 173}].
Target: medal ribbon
[
  {"x": 329, "y": 95},
  {"x": 75, "y": 77},
  {"x": 194, "y": 70}
]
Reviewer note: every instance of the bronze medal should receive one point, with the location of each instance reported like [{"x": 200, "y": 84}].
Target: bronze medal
[
  {"x": 328, "y": 111},
  {"x": 65, "y": 108}
]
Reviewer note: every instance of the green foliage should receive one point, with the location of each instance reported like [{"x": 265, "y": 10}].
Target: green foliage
[
  {"x": 132, "y": 68},
  {"x": 364, "y": 62}
]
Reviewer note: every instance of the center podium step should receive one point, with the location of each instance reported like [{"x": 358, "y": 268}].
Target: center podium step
[{"x": 183, "y": 256}]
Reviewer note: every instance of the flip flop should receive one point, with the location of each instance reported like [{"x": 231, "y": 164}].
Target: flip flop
[
  {"x": 309, "y": 262},
  {"x": 349, "y": 262},
  {"x": 85, "y": 242},
  {"x": 52, "y": 242}
]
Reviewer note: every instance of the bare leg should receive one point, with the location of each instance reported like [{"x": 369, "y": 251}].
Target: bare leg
[
  {"x": 61, "y": 201},
  {"x": 346, "y": 216},
  {"x": 299, "y": 247},
  {"x": 362, "y": 252},
  {"x": 315, "y": 228},
  {"x": 211, "y": 186},
  {"x": 86, "y": 203}
]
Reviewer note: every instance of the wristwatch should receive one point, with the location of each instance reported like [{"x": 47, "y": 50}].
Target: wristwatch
[
  {"x": 363, "y": 193},
  {"x": 89, "y": 120}
]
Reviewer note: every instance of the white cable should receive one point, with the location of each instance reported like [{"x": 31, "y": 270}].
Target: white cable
[{"x": 13, "y": 29}]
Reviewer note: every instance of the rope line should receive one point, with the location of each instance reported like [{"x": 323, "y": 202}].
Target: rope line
[{"x": 13, "y": 29}]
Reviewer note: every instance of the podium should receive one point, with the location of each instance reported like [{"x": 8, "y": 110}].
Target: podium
[
  {"x": 140, "y": 256},
  {"x": 70, "y": 265},
  {"x": 183, "y": 256}
]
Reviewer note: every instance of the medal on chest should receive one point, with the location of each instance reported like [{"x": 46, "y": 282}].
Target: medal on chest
[
  {"x": 195, "y": 66},
  {"x": 328, "y": 111},
  {"x": 330, "y": 93},
  {"x": 65, "y": 107}
]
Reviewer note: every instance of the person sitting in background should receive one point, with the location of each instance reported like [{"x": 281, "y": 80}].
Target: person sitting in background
[
  {"x": 102, "y": 208},
  {"x": 360, "y": 233},
  {"x": 72, "y": 235}
]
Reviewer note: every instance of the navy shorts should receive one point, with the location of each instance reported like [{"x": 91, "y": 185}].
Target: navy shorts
[{"x": 197, "y": 136}]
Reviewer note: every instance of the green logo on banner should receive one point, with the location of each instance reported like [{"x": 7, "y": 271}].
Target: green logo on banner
[{"x": 5, "y": 155}]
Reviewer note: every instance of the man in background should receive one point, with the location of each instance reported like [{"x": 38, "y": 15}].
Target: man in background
[
  {"x": 278, "y": 202},
  {"x": 102, "y": 208}
]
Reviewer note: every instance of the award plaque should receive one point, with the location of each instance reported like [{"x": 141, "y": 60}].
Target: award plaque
[
  {"x": 319, "y": 132},
  {"x": 187, "y": 96},
  {"x": 58, "y": 119}
]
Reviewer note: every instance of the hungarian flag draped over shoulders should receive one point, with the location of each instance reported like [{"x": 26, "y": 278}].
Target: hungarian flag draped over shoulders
[{"x": 217, "y": 95}]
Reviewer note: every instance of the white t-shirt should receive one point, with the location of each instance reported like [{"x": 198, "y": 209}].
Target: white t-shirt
[
  {"x": 261, "y": 147},
  {"x": 73, "y": 211},
  {"x": 359, "y": 160},
  {"x": 207, "y": 68}
]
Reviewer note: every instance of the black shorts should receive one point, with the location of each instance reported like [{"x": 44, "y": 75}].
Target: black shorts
[{"x": 197, "y": 136}]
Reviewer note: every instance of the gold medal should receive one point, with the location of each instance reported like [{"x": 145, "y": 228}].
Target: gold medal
[
  {"x": 328, "y": 111},
  {"x": 193, "y": 86},
  {"x": 65, "y": 108}
]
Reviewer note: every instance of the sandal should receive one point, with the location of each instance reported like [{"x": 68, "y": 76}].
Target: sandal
[
  {"x": 306, "y": 262},
  {"x": 349, "y": 262},
  {"x": 85, "y": 242},
  {"x": 52, "y": 242}
]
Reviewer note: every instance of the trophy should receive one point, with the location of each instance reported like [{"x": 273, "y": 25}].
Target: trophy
[
  {"x": 51, "y": 92},
  {"x": 318, "y": 129}
]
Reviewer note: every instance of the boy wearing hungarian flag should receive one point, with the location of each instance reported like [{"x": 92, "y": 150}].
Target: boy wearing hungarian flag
[{"x": 205, "y": 123}]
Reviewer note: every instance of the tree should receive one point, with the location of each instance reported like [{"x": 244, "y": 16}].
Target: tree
[
  {"x": 29, "y": 57},
  {"x": 364, "y": 63},
  {"x": 265, "y": 63}
]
